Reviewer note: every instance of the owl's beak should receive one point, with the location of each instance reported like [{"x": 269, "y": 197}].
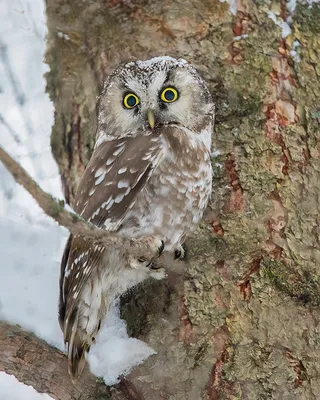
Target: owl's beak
[{"x": 150, "y": 115}]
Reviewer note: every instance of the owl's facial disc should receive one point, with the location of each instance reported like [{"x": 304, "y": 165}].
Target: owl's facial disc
[{"x": 150, "y": 94}]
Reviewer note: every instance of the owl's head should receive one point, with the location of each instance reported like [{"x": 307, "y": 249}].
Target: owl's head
[{"x": 143, "y": 95}]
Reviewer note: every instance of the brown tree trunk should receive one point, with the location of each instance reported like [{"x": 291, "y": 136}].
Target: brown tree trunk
[{"x": 243, "y": 322}]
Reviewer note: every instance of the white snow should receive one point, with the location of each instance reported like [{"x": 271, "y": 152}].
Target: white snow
[
  {"x": 291, "y": 6},
  {"x": 31, "y": 244},
  {"x": 286, "y": 30},
  {"x": 12, "y": 389},
  {"x": 294, "y": 52},
  {"x": 240, "y": 37},
  {"x": 114, "y": 353}
]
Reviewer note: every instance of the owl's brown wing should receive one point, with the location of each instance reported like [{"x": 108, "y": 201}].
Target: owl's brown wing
[{"x": 116, "y": 173}]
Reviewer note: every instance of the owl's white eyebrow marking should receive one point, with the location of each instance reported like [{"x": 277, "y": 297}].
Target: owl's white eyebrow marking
[
  {"x": 122, "y": 170},
  {"x": 119, "y": 198},
  {"x": 123, "y": 184},
  {"x": 99, "y": 172},
  {"x": 100, "y": 179}
]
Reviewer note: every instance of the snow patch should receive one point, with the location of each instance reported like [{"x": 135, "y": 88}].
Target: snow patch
[
  {"x": 294, "y": 53},
  {"x": 12, "y": 389},
  {"x": 114, "y": 353},
  {"x": 286, "y": 30}
]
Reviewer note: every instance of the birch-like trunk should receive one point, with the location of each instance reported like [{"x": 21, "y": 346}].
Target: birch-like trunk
[{"x": 244, "y": 321}]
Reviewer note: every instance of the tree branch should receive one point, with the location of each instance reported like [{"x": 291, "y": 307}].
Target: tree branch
[
  {"x": 54, "y": 208},
  {"x": 33, "y": 362}
]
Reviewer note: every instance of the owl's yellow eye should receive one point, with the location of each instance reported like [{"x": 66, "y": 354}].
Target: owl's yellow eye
[
  {"x": 131, "y": 100},
  {"x": 169, "y": 95}
]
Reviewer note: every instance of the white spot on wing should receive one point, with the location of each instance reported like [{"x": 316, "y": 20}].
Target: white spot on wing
[
  {"x": 106, "y": 202},
  {"x": 123, "y": 184},
  {"x": 110, "y": 160},
  {"x": 119, "y": 198},
  {"x": 122, "y": 170},
  {"x": 100, "y": 179},
  {"x": 110, "y": 205},
  {"x": 118, "y": 151},
  {"x": 99, "y": 172}
]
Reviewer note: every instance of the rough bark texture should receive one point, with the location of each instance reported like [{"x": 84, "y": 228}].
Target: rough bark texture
[{"x": 243, "y": 322}]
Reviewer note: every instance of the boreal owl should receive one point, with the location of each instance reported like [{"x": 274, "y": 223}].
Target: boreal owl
[{"x": 149, "y": 177}]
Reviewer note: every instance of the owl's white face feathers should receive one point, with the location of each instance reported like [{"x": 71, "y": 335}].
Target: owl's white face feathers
[{"x": 193, "y": 108}]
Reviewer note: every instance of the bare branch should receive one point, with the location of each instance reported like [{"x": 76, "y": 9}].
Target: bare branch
[{"x": 51, "y": 206}]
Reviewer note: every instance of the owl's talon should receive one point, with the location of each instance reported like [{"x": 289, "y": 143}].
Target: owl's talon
[
  {"x": 179, "y": 253},
  {"x": 158, "y": 273},
  {"x": 161, "y": 248}
]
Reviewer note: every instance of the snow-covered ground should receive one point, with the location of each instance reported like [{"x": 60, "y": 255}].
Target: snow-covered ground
[{"x": 31, "y": 244}]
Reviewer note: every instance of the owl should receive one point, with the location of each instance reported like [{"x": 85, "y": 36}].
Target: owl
[{"x": 149, "y": 178}]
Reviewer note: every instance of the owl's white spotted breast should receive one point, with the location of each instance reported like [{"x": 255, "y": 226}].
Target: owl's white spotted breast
[{"x": 176, "y": 195}]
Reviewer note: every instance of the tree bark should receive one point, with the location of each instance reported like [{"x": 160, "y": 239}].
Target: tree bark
[{"x": 243, "y": 321}]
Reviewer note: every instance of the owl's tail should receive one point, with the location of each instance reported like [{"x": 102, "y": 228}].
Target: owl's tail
[{"x": 79, "y": 343}]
